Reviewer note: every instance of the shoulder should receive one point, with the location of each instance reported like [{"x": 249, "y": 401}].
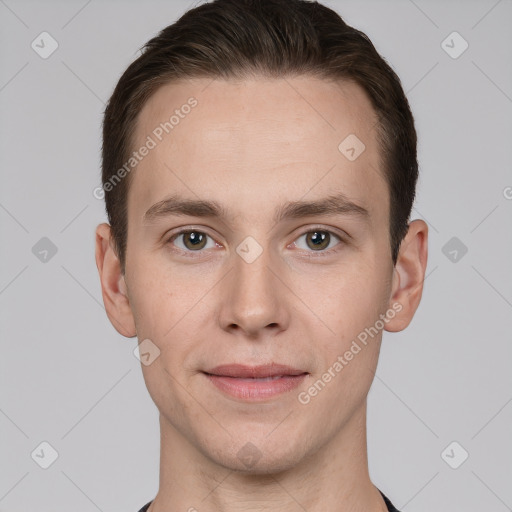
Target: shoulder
[
  {"x": 145, "y": 507},
  {"x": 391, "y": 507}
]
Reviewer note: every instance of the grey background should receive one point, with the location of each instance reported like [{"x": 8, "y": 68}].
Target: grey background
[{"x": 69, "y": 379}]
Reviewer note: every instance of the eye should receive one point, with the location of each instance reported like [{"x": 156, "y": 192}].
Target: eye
[
  {"x": 192, "y": 240},
  {"x": 317, "y": 240}
]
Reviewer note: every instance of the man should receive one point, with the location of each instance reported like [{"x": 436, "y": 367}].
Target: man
[{"x": 259, "y": 168}]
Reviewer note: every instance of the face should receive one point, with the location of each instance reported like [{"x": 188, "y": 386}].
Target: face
[{"x": 254, "y": 240}]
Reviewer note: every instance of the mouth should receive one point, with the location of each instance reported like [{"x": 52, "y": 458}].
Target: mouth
[{"x": 255, "y": 383}]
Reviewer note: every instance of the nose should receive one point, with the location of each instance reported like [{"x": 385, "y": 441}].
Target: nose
[{"x": 254, "y": 301}]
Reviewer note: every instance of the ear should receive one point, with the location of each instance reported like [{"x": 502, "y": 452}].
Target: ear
[
  {"x": 408, "y": 276},
  {"x": 113, "y": 286}
]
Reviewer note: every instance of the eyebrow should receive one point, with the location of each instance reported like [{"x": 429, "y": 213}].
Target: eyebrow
[{"x": 337, "y": 204}]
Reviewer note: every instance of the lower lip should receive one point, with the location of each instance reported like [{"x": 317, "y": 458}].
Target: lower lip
[{"x": 256, "y": 389}]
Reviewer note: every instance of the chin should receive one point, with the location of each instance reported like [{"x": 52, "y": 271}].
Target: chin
[{"x": 259, "y": 457}]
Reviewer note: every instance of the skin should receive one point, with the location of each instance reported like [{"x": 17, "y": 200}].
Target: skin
[{"x": 253, "y": 145}]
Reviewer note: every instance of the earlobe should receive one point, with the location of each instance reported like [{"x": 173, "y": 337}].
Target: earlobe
[
  {"x": 113, "y": 286},
  {"x": 408, "y": 276}
]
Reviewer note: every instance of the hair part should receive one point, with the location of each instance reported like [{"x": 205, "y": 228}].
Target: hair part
[{"x": 237, "y": 39}]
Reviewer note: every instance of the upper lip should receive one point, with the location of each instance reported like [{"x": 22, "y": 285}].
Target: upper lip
[{"x": 256, "y": 372}]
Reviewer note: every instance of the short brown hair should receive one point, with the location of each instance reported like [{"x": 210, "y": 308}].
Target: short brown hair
[{"x": 273, "y": 38}]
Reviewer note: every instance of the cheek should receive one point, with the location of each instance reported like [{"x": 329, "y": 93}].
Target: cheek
[
  {"x": 349, "y": 356},
  {"x": 158, "y": 301},
  {"x": 172, "y": 312},
  {"x": 350, "y": 306},
  {"x": 350, "y": 299},
  {"x": 148, "y": 298}
]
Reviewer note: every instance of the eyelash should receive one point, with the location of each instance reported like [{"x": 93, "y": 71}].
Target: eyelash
[{"x": 309, "y": 254}]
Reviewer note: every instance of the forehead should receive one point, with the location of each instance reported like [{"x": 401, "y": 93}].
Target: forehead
[{"x": 255, "y": 142}]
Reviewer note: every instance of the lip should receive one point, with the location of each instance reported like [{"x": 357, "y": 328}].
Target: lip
[
  {"x": 255, "y": 372},
  {"x": 255, "y": 383}
]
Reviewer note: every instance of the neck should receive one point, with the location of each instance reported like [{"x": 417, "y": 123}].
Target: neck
[{"x": 335, "y": 477}]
